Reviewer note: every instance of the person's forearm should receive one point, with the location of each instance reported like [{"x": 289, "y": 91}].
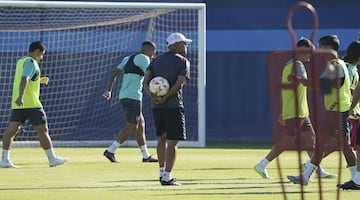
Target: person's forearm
[{"x": 23, "y": 84}]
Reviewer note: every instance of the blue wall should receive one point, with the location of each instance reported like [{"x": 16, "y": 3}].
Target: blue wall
[{"x": 240, "y": 37}]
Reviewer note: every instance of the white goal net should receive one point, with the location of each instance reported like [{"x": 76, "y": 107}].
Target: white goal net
[{"x": 85, "y": 42}]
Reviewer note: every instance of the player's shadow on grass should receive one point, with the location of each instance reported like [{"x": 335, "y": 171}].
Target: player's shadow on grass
[
  {"x": 132, "y": 180},
  {"x": 227, "y": 193},
  {"x": 216, "y": 168}
]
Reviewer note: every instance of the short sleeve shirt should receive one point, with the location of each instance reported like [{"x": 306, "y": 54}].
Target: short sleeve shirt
[
  {"x": 170, "y": 65},
  {"x": 30, "y": 70}
]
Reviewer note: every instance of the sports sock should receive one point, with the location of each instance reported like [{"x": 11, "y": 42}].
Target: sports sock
[
  {"x": 310, "y": 168},
  {"x": 356, "y": 178},
  {"x": 50, "y": 154},
  {"x": 5, "y": 154},
  {"x": 144, "y": 151},
  {"x": 162, "y": 171},
  {"x": 320, "y": 169},
  {"x": 112, "y": 148},
  {"x": 263, "y": 163},
  {"x": 353, "y": 171},
  {"x": 307, "y": 163},
  {"x": 166, "y": 176}
]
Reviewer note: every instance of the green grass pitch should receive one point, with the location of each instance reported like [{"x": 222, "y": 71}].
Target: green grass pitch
[{"x": 206, "y": 173}]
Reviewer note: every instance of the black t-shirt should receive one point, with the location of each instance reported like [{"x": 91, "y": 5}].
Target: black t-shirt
[{"x": 170, "y": 65}]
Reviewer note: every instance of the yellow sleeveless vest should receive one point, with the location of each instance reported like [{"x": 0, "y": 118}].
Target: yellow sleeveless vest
[
  {"x": 288, "y": 97},
  {"x": 353, "y": 86},
  {"x": 32, "y": 90},
  {"x": 342, "y": 103}
]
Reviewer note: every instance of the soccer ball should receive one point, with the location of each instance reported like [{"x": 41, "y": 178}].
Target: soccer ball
[{"x": 159, "y": 86}]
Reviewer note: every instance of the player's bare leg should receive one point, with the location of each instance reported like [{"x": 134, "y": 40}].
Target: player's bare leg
[
  {"x": 9, "y": 135},
  {"x": 276, "y": 150},
  {"x": 287, "y": 142},
  {"x": 141, "y": 140},
  {"x": 46, "y": 144},
  {"x": 124, "y": 134},
  {"x": 170, "y": 158},
  {"x": 161, "y": 153}
]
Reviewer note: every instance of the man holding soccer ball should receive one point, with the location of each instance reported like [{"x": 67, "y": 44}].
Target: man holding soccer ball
[{"x": 168, "y": 110}]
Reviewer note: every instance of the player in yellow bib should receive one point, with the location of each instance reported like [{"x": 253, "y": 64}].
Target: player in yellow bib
[
  {"x": 26, "y": 105},
  {"x": 295, "y": 112},
  {"x": 352, "y": 58},
  {"x": 337, "y": 101},
  {"x": 351, "y": 61}
]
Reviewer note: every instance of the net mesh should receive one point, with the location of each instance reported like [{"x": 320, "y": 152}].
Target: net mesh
[{"x": 83, "y": 46}]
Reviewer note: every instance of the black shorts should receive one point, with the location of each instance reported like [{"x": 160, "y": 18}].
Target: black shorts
[
  {"x": 36, "y": 116},
  {"x": 132, "y": 110},
  {"x": 171, "y": 121},
  {"x": 336, "y": 122},
  {"x": 301, "y": 124},
  {"x": 358, "y": 137}
]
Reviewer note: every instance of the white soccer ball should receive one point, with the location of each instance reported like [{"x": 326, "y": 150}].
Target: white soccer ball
[{"x": 159, "y": 86}]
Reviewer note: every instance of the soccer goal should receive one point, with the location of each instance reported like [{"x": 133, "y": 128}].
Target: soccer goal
[{"x": 85, "y": 41}]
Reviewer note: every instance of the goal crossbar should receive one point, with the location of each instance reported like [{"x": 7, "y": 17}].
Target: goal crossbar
[{"x": 166, "y": 22}]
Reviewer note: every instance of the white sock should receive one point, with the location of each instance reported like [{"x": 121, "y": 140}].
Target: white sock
[
  {"x": 352, "y": 171},
  {"x": 162, "y": 171},
  {"x": 5, "y": 154},
  {"x": 50, "y": 154},
  {"x": 309, "y": 170},
  {"x": 263, "y": 163},
  {"x": 144, "y": 151},
  {"x": 356, "y": 178},
  {"x": 167, "y": 176},
  {"x": 320, "y": 169},
  {"x": 112, "y": 148}
]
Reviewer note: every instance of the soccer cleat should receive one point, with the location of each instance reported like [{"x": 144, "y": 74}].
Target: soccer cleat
[
  {"x": 110, "y": 156},
  {"x": 171, "y": 182},
  {"x": 7, "y": 164},
  {"x": 324, "y": 174},
  {"x": 58, "y": 161},
  {"x": 150, "y": 159},
  {"x": 262, "y": 172},
  {"x": 297, "y": 180},
  {"x": 350, "y": 185}
]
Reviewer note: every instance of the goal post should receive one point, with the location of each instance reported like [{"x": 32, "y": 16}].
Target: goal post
[{"x": 85, "y": 41}]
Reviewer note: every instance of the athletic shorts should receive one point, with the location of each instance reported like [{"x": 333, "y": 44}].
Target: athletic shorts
[
  {"x": 354, "y": 124},
  {"x": 36, "y": 116},
  {"x": 358, "y": 137},
  {"x": 303, "y": 125},
  {"x": 171, "y": 121},
  {"x": 132, "y": 110},
  {"x": 335, "y": 122}
]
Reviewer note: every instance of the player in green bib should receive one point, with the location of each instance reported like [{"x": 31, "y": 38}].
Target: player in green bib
[
  {"x": 26, "y": 105},
  {"x": 351, "y": 63},
  {"x": 352, "y": 58},
  {"x": 337, "y": 101},
  {"x": 295, "y": 110}
]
